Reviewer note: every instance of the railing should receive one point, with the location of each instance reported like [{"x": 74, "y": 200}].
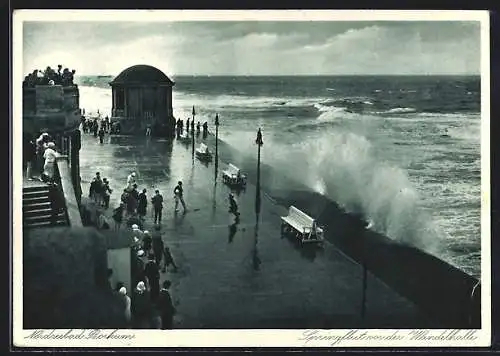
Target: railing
[{"x": 66, "y": 184}]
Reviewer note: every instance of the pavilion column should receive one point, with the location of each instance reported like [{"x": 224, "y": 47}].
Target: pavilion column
[{"x": 113, "y": 101}]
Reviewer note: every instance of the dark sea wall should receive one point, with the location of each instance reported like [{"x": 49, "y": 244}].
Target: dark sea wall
[{"x": 440, "y": 289}]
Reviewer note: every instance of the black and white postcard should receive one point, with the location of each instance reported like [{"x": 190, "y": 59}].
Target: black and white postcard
[{"x": 251, "y": 178}]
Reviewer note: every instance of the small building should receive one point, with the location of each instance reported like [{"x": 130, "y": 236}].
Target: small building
[
  {"x": 142, "y": 97},
  {"x": 55, "y": 109}
]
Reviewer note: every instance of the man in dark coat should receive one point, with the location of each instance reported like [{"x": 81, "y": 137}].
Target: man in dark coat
[
  {"x": 157, "y": 201},
  {"x": 143, "y": 203},
  {"x": 166, "y": 306},
  {"x": 141, "y": 306},
  {"x": 101, "y": 135},
  {"x": 151, "y": 271},
  {"x": 158, "y": 245}
]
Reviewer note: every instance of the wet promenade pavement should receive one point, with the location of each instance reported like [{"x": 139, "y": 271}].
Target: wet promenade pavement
[{"x": 248, "y": 277}]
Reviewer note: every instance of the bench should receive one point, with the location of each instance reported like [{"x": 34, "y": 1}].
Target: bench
[
  {"x": 203, "y": 153},
  {"x": 233, "y": 175},
  {"x": 302, "y": 225}
]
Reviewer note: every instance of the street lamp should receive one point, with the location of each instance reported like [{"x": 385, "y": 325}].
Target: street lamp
[
  {"x": 216, "y": 144},
  {"x": 216, "y": 136},
  {"x": 259, "y": 143},
  {"x": 192, "y": 133}
]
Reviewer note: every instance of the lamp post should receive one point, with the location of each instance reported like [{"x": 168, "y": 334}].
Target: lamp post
[
  {"x": 259, "y": 143},
  {"x": 363, "y": 288},
  {"x": 216, "y": 144},
  {"x": 192, "y": 133}
]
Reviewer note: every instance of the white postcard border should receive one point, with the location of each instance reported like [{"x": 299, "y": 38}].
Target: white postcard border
[{"x": 250, "y": 338}]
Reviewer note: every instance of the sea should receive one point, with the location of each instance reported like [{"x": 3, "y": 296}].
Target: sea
[{"x": 402, "y": 151}]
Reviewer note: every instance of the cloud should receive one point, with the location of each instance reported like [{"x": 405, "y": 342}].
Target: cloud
[{"x": 257, "y": 48}]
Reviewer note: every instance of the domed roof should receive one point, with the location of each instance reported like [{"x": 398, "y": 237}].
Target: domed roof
[{"x": 142, "y": 74}]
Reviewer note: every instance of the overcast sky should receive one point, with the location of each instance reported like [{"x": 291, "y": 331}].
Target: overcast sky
[{"x": 255, "y": 48}]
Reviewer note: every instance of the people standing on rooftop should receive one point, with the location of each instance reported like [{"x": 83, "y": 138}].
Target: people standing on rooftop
[
  {"x": 157, "y": 201},
  {"x": 179, "y": 196}
]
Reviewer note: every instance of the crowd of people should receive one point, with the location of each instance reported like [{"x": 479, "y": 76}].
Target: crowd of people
[
  {"x": 98, "y": 126},
  {"x": 149, "y": 300},
  {"x": 100, "y": 191},
  {"x": 49, "y": 76},
  {"x": 150, "y": 255},
  {"x": 191, "y": 127}
]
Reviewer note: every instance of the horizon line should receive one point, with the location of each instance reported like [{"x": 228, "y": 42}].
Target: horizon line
[{"x": 301, "y": 75}]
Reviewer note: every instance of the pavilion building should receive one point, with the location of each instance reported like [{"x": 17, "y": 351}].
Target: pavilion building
[{"x": 142, "y": 97}]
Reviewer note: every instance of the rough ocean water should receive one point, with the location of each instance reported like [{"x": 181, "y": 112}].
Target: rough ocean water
[{"x": 402, "y": 151}]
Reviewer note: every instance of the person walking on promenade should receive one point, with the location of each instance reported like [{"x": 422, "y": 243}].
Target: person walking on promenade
[
  {"x": 192, "y": 126},
  {"x": 147, "y": 241},
  {"x": 157, "y": 201},
  {"x": 134, "y": 194},
  {"x": 141, "y": 306},
  {"x": 153, "y": 274},
  {"x": 187, "y": 125},
  {"x": 198, "y": 126},
  {"x": 158, "y": 245},
  {"x": 142, "y": 204},
  {"x": 179, "y": 196},
  {"x": 95, "y": 128},
  {"x": 233, "y": 207},
  {"x": 96, "y": 189},
  {"x": 118, "y": 216},
  {"x": 101, "y": 134},
  {"x": 166, "y": 306},
  {"x": 131, "y": 180},
  {"x": 106, "y": 193},
  {"x": 148, "y": 130},
  {"x": 169, "y": 260},
  {"x": 128, "y": 304}
]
